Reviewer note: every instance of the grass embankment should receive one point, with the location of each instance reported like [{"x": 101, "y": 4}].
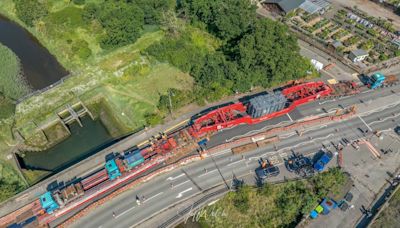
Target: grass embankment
[
  {"x": 280, "y": 205},
  {"x": 121, "y": 84},
  {"x": 389, "y": 218}
]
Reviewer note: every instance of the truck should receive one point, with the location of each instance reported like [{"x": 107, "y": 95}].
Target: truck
[
  {"x": 266, "y": 170},
  {"x": 380, "y": 80},
  {"x": 321, "y": 163}
]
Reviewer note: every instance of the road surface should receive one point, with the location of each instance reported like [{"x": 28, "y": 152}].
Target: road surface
[{"x": 191, "y": 180}]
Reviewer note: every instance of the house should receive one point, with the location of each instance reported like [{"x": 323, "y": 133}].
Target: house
[{"x": 358, "y": 55}]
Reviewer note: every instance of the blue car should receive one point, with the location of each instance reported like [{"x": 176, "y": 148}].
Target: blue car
[{"x": 320, "y": 164}]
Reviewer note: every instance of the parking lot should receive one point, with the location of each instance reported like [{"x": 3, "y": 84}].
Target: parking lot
[{"x": 369, "y": 174}]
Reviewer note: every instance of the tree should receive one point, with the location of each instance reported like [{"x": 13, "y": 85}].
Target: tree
[
  {"x": 268, "y": 53},
  {"x": 123, "y": 22},
  {"x": 227, "y": 19},
  {"x": 30, "y": 10}
]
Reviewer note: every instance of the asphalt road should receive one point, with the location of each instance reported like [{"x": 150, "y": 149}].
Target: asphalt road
[{"x": 166, "y": 190}]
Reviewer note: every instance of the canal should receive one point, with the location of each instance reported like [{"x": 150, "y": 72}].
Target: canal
[
  {"x": 40, "y": 68},
  {"x": 83, "y": 142}
]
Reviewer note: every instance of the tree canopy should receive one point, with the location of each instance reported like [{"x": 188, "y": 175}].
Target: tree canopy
[{"x": 30, "y": 10}]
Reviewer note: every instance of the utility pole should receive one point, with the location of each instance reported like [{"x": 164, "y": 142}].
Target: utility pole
[{"x": 170, "y": 101}]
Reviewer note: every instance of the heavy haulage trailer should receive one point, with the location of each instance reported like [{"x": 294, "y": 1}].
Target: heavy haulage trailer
[{"x": 185, "y": 139}]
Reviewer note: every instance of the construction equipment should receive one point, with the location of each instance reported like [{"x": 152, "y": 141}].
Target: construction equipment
[
  {"x": 193, "y": 136},
  {"x": 380, "y": 80}
]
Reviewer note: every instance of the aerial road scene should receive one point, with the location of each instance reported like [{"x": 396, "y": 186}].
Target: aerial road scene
[{"x": 199, "y": 113}]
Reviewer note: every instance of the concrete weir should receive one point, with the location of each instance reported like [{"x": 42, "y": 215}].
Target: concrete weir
[{"x": 73, "y": 113}]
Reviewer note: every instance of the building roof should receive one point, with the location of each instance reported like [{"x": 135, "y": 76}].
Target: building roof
[
  {"x": 286, "y": 5},
  {"x": 313, "y": 6},
  {"x": 337, "y": 44},
  {"x": 359, "y": 52}
]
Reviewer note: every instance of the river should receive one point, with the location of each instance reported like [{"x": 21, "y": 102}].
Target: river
[
  {"x": 83, "y": 142},
  {"x": 40, "y": 68}
]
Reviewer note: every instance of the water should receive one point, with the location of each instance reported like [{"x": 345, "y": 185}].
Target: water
[
  {"x": 83, "y": 142},
  {"x": 40, "y": 68}
]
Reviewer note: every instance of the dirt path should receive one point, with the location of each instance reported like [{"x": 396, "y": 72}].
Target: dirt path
[{"x": 372, "y": 9}]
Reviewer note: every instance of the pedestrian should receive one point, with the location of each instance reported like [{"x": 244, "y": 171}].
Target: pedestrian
[
  {"x": 351, "y": 206},
  {"x": 113, "y": 214},
  {"x": 205, "y": 170},
  {"x": 172, "y": 185}
]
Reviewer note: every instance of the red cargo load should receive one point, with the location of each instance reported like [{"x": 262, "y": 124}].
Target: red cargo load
[{"x": 94, "y": 179}]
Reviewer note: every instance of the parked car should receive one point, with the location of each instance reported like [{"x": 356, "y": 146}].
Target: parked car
[{"x": 270, "y": 171}]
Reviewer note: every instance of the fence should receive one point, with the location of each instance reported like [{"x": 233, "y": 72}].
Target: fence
[{"x": 36, "y": 92}]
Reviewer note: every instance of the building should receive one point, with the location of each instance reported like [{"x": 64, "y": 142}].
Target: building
[
  {"x": 310, "y": 6},
  {"x": 286, "y": 6},
  {"x": 315, "y": 6},
  {"x": 358, "y": 55}
]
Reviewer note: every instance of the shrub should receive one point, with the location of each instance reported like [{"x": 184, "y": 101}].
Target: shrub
[
  {"x": 30, "y": 10},
  {"x": 79, "y": 2}
]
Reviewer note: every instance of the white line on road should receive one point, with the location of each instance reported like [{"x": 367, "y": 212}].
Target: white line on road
[
  {"x": 341, "y": 98},
  {"x": 173, "y": 178},
  {"x": 321, "y": 103},
  {"x": 382, "y": 120},
  {"x": 117, "y": 216},
  {"x": 365, "y": 123},
  {"x": 153, "y": 197},
  {"x": 207, "y": 173},
  {"x": 234, "y": 163},
  {"x": 367, "y": 91},
  {"x": 181, "y": 193},
  {"x": 175, "y": 186},
  {"x": 222, "y": 152},
  {"x": 291, "y": 120}
]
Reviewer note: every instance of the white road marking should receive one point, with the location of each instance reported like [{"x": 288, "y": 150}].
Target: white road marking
[
  {"x": 234, "y": 163},
  {"x": 153, "y": 197},
  {"x": 321, "y": 103},
  {"x": 365, "y": 123},
  {"x": 367, "y": 91},
  {"x": 173, "y": 178},
  {"x": 291, "y": 120},
  {"x": 181, "y": 193},
  {"x": 222, "y": 152},
  {"x": 341, "y": 98},
  {"x": 207, "y": 173},
  {"x": 175, "y": 186},
  {"x": 382, "y": 120},
  {"x": 117, "y": 216}
]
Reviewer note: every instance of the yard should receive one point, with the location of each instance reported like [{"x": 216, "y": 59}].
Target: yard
[{"x": 350, "y": 29}]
